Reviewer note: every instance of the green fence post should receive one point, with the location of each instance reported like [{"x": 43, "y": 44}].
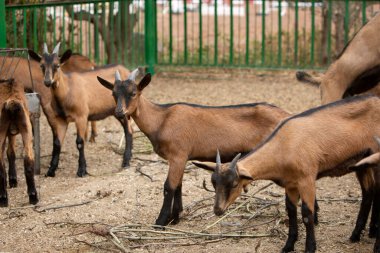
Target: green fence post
[
  {"x": 3, "y": 38},
  {"x": 150, "y": 36}
]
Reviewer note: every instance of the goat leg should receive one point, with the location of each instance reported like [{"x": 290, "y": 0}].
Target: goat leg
[
  {"x": 316, "y": 209},
  {"x": 82, "y": 171},
  {"x": 126, "y": 124},
  {"x": 3, "y": 185},
  {"x": 291, "y": 207},
  {"x": 58, "y": 138},
  {"x": 308, "y": 220},
  {"x": 177, "y": 205},
  {"x": 12, "y": 174},
  {"x": 374, "y": 225},
  {"x": 365, "y": 207},
  {"x": 164, "y": 216}
]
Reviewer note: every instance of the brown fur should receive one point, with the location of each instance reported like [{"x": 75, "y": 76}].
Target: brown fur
[
  {"x": 361, "y": 55},
  {"x": 307, "y": 146},
  {"x": 14, "y": 119},
  {"x": 182, "y": 132},
  {"x": 77, "y": 97}
]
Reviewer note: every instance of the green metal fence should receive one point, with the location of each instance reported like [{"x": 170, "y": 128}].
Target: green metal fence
[
  {"x": 246, "y": 33},
  {"x": 233, "y": 33},
  {"x": 105, "y": 31}
]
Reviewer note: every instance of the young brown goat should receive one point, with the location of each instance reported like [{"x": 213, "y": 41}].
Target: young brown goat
[
  {"x": 356, "y": 70},
  {"x": 14, "y": 119},
  {"x": 79, "y": 98},
  {"x": 302, "y": 149},
  {"x": 181, "y": 132},
  {"x": 76, "y": 63}
]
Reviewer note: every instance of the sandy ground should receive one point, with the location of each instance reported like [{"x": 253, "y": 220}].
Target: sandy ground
[{"x": 111, "y": 197}]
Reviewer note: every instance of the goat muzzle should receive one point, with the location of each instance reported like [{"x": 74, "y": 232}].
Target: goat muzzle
[{"x": 218, "y": 211}]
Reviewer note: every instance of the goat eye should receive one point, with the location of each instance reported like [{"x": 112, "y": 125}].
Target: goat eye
[
  {"x": 235, "y": 184},
  {"x": 56, "y": 66}
]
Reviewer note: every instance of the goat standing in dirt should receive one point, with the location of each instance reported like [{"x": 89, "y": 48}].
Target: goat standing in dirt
[
  {"x": 303, "y": 148},
  {"x": 79, "y": 98},
  {"x": 15, "y": 119},
  {"x": 356, "y": 70},
  {"x": 180, "y": 132}
]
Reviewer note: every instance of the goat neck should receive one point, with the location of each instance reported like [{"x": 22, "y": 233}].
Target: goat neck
[
  {"x": 60, "y": 89},
  {"x": 148, "y": 116}
]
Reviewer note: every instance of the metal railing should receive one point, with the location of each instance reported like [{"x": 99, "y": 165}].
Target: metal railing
[
  {"x": 237, "y": 33},
  {"x": 105, "y": 31}
]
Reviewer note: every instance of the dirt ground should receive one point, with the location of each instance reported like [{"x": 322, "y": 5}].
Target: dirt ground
[{"x": 111, "y": 197}]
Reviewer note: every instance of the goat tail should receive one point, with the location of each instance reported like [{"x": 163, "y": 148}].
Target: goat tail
[
  {"x": 367, "y": 178},
  {"x": 304, "y": 77},
  {"x": 13, "y": 106}
]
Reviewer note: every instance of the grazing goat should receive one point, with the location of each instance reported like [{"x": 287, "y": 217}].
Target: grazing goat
[
  {"x": 79, "y": 98},
  {"x": 303, "y": 148},
  {"x": 14, "y": 119},
  {"x": 181, "y": 132},
  {"x": 356, "y": 70}
]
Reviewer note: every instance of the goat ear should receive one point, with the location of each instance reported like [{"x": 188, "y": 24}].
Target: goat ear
[
  {"x": 204, "y": 166},
  {"x": 368, "y": 162},
  {"x": 66, "y": 55},
  {"x": 105, "y": 83},
  {"x": 145, "y": 81},
  {"x": 244, "y": 174},
  {"x": 34, "y": 55}
]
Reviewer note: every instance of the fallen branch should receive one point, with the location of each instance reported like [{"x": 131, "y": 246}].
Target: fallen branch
[
  {"x": 138, "y": 169},
  {"x": 63, "y": 206}
]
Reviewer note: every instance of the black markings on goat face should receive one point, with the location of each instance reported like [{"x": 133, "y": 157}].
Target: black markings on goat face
[
  {"x": 125, "y": 94},
  {"x": 49, "y": 66}
]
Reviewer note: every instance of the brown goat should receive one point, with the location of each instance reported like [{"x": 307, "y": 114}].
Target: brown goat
[
  {"x": 76, "y": 63},
  {"x": 303, "y": 148},
  {"x": 14, "y": 119},
  {"x": 180, "y": 132},
  {"x": 356, "y": 70},
  {"x": 79, "y": 98}
]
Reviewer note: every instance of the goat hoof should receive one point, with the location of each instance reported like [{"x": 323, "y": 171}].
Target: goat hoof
[
  {"x": 355, "y": 237},
  {"x": 12, "y": 183},
  {"x": 372, "y": 232},
  {"x": 82, "y": 173},
  {"x": 4, "y": 201},
  {"x": 33, "y": 198},
  {"x": 162, "y": 222},
  {"x": 50, "y": 174},
  {"x": 125, "y": 165},
  {"x": 92, "y": 139},
  {"x": 287, "y": 249}
]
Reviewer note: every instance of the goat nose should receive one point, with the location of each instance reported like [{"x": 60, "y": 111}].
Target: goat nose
[
  {"x": 47, "y": 83},
  {"x": 119, "y": 114},
  {"x": 218, "y": 211}
]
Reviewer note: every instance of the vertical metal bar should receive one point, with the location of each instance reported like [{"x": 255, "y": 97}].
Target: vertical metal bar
[
  {"x": 3, "y": 26},
  {"x": 296, "y": 34},
  {"x": 170, "y": 33},
  {"x": 200, "y": 33},
  {"x": 96, "y": 34},
  {"x": 329, "y": 20},
  {"x": 63, "y": 30},
  {"x": 54, "y": 26},
  {"x": 312, "y": 32},
  {"x": 231, "y": 33},
  {"x": 149, "y": 34},
  {"x": 45, "y": 24},
  {"x": 279, "y": 54},
  {"x": 24, "y": 29},
  {"x": 216, "y": 33},
  {"x": 72, "y": 30},
  {"x": 118, "y": 32},
  {"x": 15, "y": 33},
  {"x": 364, "y": 12},
  {"x": 89, "y": 34},
  {"x": 80, "y": 30},
  {"x": 124, "y": 32},
  {"x": 185, "y": 32},
  {"x": 36, "y": 145},
  {"x": 34, "y": 29},
  {"x": 246, "y": 32},
  {"x": 112, "y": 39},
  {"x": 263, "y": 34},
  {"x": 105, "y": 34},
  {"x": 346, "y": 22}
]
